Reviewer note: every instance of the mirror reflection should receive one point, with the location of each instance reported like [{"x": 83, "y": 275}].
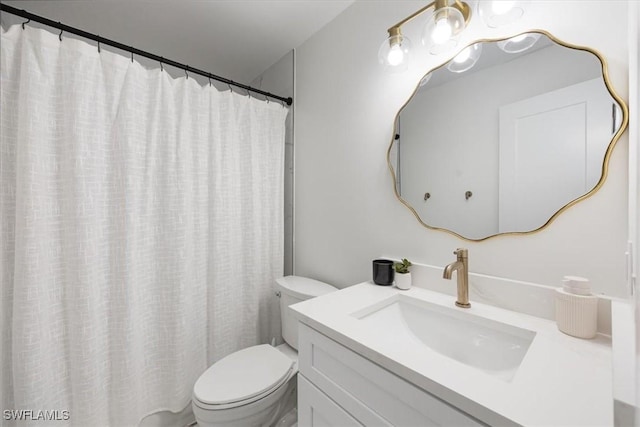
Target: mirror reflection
[{"x": 505, "y": 135}]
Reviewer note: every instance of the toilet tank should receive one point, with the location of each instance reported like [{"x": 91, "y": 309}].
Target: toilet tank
[{"x": 294, "y": 289}]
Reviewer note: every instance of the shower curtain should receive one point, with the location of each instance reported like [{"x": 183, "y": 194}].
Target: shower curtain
[{"x": 141, "y": 231}]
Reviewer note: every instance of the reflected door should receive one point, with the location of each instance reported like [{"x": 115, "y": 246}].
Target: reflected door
[{"x": 549, "y": 152}]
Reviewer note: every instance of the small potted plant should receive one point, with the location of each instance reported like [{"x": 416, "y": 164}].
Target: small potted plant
[{"x": 403, "y": 275}]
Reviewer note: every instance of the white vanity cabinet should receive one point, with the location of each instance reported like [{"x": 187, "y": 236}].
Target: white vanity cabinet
[{"x": 338, "y": 387}]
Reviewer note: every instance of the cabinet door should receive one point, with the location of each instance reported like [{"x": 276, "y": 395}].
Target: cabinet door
[
  {"x": 315, "y": 409},
  {"x": 371, "y": 394}
]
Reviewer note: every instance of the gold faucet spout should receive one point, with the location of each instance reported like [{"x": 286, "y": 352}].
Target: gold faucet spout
[
  {"x": 462, "y": 268},
  {"x": 449, "y": 269}
]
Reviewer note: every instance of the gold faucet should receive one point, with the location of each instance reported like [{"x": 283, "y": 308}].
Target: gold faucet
[{"x": 460, "y": 265}]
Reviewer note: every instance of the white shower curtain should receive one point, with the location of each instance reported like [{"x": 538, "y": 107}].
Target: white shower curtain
[{"x": 141, "y": 231}]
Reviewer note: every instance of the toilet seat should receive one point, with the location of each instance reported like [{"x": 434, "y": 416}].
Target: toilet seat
[{"x": 243, "y": 377}]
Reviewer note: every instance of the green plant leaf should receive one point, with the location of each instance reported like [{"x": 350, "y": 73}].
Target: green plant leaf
[{"x": 402, "y": 267}]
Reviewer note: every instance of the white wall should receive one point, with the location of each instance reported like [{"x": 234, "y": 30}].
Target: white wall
[
  {"x": 279, "y": 79},
  {"x": 346, "y": 211}
]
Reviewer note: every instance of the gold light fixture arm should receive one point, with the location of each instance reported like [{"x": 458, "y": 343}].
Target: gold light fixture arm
[
  {"x": 437, "y": 4},
  {"x": 395, "y": 30}
]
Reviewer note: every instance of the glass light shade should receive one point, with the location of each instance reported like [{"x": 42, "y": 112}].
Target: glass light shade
[
  {"x": 425, "y": 80},
  {"x": 519, "y": 43},
  {"x": 466, "y": 59},
  {"x": 442, "y": 30},
  {"x": 394, "y": 53},
  {"x": 497, "y": 13}
]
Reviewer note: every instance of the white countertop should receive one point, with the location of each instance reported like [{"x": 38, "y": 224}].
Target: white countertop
[{"x": 562, "y": 381}]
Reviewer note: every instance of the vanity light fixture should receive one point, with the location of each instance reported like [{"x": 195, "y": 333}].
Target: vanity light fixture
[
  {"x": 497, "y": 13},
  {"x": 466, "y": 59},
  {"x": 443, "y": 28},
  {"x": 519, "y": 43},
  {"x": 441, "y": 32}
]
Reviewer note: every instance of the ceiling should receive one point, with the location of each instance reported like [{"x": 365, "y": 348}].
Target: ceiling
[{"x": 236, "y": 39}]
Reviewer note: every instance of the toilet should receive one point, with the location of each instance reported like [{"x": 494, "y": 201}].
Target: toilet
[{"x": 257, "y": 386}]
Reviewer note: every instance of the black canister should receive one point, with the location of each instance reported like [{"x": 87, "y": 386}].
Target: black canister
[{"x": 383, "y": 272}]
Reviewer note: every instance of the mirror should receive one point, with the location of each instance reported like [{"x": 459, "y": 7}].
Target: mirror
[{"x": 505, "y": 136}]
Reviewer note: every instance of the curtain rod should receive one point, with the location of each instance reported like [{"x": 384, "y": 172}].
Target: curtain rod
[{"x": 65, "y": 28}]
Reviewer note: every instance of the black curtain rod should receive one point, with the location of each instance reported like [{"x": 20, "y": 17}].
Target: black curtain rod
[{"x": 134, "y": 51}]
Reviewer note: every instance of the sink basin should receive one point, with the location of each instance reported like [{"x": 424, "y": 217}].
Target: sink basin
[{"x": 493, "y": 347}]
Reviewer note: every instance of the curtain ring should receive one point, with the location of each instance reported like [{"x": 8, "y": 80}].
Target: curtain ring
[
  {"x": 161, "y": 67},
  {"x": 267, "y": 99},
  {"x": 26, "y": 22},
  {"x": 230, "y": 88},
  {"x": 98, "y": 43},
  {"x": 186, "y": 73},
  {"x": 60, "y": 35},
  {"x": 131, "y": 50},
  {"x": 210, "y": 80}
]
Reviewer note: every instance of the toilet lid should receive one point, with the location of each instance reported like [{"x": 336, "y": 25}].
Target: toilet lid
[{"x": 242, "y": 375}]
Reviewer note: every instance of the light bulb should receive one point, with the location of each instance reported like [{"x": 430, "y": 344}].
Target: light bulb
[
  {"x": 497, "y": 13},
  {"x": 463, "y": 56},
  {"x": 519, "y": 43},
  {"x": 466, "y": 59},
  {"x": 441, "y": 32},
  {"x": 395, "y": 55},
  {"x": 500, "y": 7}
]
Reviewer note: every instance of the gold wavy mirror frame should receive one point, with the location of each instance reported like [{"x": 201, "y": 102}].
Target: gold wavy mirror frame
[{"x": 420, "y": 199}]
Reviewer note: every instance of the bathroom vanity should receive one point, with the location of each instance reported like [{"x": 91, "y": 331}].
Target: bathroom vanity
[{"x": 372, "y": 355}]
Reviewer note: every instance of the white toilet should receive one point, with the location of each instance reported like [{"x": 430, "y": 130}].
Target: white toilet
[{"x": 257, "y": 386}]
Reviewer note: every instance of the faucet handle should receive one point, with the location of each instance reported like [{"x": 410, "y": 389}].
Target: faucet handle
[{"x": 461, "y": 252}]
